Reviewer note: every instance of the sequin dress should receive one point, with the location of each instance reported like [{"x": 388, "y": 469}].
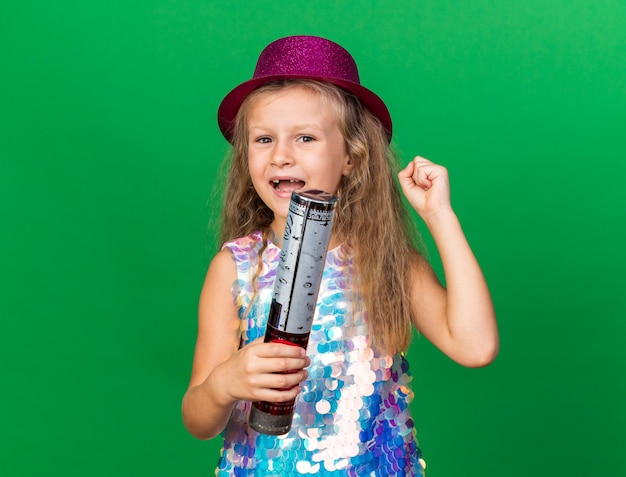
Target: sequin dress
[{"x": 352, "y": 417}]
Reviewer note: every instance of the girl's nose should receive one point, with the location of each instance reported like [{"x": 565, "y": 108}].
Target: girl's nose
[{"x": 282, "y": 155}]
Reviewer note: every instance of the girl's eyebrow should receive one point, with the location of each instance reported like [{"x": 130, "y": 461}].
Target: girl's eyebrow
[{"x": 309, "y": 125}]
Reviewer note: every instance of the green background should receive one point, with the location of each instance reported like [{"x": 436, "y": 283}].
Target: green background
[{"x": 109, "y": 152}]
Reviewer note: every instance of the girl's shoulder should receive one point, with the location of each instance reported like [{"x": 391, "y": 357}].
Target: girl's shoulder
[
  {"x": 248, "y": 248},
  {"x": 246, "y": 243}
]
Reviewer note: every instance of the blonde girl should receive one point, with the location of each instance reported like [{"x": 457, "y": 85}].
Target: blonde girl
[{"x": 305, "y": 121}]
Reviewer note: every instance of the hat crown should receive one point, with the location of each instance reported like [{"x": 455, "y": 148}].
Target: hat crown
[
  {"x": 306, "y": 56},
  {"x": 303, "y": 57}
]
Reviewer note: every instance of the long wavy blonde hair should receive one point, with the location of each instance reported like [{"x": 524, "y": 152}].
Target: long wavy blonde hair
[{"x": 370, "y": 219}]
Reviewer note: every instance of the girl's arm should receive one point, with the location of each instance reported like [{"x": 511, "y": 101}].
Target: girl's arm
[
  {"x": 223, "y": 374},
  {"x": 460, "y": 318}
]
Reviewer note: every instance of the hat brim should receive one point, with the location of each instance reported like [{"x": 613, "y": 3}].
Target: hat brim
[{"x": 231, "y": 103}]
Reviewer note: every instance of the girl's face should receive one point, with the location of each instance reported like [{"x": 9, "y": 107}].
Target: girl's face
[{"x": 294, "y": 142}]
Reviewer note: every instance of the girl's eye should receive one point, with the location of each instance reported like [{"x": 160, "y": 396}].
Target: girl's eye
[
  {"x": 307, "y": 138},
  {"x": 264, "y": 140}
]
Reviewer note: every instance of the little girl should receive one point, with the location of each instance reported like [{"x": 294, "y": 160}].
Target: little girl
[{"x": 305, "y": 122}]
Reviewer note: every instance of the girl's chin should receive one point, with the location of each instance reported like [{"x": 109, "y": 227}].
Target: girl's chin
[
  {"x": 281, "y": 215},
  {"x": 280, "y": 212}
]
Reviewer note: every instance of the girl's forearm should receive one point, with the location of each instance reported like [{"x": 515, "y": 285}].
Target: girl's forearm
[
  {"x": 205, "y": 409},
  {"x": 469, "y": 309}
]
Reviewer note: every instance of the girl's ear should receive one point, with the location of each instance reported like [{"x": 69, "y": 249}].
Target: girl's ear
[{"x": 348, "y": 165}]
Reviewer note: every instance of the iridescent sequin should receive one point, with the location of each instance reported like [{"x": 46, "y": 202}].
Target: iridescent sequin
[{"x": 352, "y": 417}]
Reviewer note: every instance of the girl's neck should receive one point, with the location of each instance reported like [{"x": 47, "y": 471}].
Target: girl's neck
[{"x": 276, "y": 232}]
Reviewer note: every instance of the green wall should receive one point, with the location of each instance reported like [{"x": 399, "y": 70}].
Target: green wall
[{"x": 109, "y": 151}]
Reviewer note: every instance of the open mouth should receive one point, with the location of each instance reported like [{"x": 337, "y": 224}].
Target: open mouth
[{"x": 287, "y": 185}]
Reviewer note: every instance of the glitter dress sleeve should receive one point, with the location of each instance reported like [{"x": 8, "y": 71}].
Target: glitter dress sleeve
[{"x": 352, "y": 417}]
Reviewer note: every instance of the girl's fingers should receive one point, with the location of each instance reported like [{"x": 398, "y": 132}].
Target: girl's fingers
[
  {"x": 277, "y": 395},
  {"x": 276, "y": 358},
  {"x": 277, "y": 365},
  {"x": 270, "y": 350},
  {"x": 427, "y": 172},
  {"x": 273, "y": 371},
  {"x": 280, "y": 381}
]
